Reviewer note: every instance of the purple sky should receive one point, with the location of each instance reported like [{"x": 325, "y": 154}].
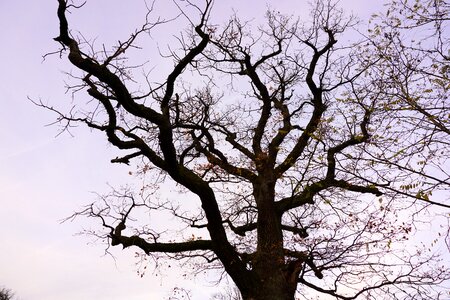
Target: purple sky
[{"x": 45, "y": 178}]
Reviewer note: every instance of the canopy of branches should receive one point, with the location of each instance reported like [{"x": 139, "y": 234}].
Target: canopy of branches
[{"x": 304, "y": 162}]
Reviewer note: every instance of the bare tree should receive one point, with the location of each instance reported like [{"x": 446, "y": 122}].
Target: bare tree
[
  {"x": 6, "y": 294},
  {"x": 287, "y": 141}
]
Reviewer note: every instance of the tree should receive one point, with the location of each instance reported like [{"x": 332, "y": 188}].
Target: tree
[
  {"x": 6, "y": 294},
  {"x": 287, "y": 138}
]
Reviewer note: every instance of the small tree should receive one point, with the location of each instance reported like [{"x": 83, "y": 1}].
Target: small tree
[
  {"x": 6, "y": 294},
  {"x": 286, "y": 137}
]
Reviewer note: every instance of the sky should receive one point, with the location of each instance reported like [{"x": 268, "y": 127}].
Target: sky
[{"x": 46, "y": 176}]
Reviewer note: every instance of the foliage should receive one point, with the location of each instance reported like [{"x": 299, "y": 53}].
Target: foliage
[{"x": 412, "y": 42}]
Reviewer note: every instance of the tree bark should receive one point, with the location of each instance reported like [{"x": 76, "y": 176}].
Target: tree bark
[{"x": 268, "y": 263}]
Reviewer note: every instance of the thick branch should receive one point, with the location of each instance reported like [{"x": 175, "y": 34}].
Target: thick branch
[
  {"x": 166, "y": 134},
  {"x": 78, "y": 59},
  {"x": 319, "y": 107},
  {"x": 147, "y": 247},
  {"x": 308, "y": 193}
]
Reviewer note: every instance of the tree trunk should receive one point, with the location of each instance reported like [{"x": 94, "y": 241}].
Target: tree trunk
[
  {"x": 268, "y": 264},
  {"x": 270, "y": 289}
]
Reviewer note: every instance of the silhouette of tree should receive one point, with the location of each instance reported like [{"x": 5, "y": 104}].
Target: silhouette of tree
[
  {"x": 6, "y": 294},
  {"x": 311, "y": 177}
]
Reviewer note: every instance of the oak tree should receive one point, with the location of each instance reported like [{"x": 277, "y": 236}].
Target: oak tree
[{"x": 298, "y": 171}]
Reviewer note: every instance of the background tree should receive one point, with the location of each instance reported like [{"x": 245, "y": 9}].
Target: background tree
[
  {"x": 287, "y": 139},
  {"x": 6, "y": 294}
]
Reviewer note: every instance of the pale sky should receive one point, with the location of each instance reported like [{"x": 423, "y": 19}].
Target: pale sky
[{"x": 44, "y": 178}]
